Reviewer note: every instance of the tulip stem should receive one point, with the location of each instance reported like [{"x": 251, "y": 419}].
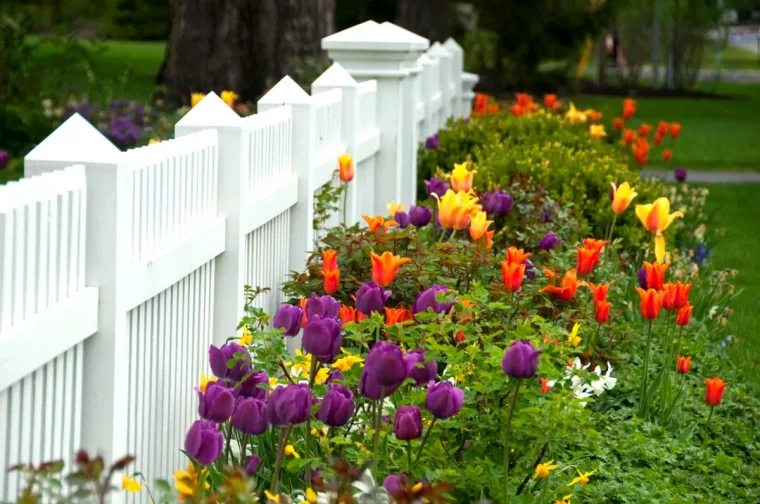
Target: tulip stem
[
  {"x": 506, "y": 441},
  {"x": 378, "y": 418},
  {"x": 609, "y": 236},
  {"x": 443, "y": 235},
  {"x": 284, "y": 434},
  {"x": 227, "y": 450},
  {"x": 409, "y": 456},
  {"x": 642, "y": 401},
  {"x": 453, "y": 234},
  {"x": 312, "y": 377},
  {"x": 709, "y": 416},
  {"x": 345, "y": 200},
  {"x": 424, "y": 440}
]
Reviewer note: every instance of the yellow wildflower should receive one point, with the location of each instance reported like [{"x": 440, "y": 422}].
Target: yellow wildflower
[
  {"x": 565, "y": 499},
  {"x": 322, "y": 375},
  {"x": 575, "y": 115},
  {"x": 311, "y": 496},
  {"x": 394, "y": 208},
  {"x": 271, "y": 497},
  {"x": 573, "y": 337},
  {"x": 272, "y": 382},
  {"x": 347, "y": 362},
  {"x": 205, "y": 380},
  {"x": 229, "y": 97},
  {"x": 319, "y": 432},
  {"x": 186, "y": 482},
  {"x": 130, "y": 485},
  {"x": 597, "y": 131},
  {"x": 544, "y": 469},
  {"x": 246, "y": 338},
  {"x": 582, "y": 478},
  {"x": 289, "y": 450},
  {"x": 153, "y": 141}
]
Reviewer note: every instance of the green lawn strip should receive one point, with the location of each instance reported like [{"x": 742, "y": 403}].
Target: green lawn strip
[{"x": 731, "y": 58}]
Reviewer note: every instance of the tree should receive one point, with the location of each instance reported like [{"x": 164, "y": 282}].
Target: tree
[
  {"x": 245, "y": 46},
  {"x": 429, "y": 18}
]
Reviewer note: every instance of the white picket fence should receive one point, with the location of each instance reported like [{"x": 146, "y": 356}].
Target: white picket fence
[{"x": 119, "y": 269}]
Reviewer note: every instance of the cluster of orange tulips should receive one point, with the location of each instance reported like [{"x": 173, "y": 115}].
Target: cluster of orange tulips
[
  {"x": 639, "y": 140},
  {"x": 484, "y": 105}
]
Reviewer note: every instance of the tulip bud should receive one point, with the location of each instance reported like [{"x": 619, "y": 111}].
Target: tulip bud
[
  {"x": 408, "y": 424},
  {"x": 250, "y": 386},
  {"x": 337, "y": 406},
  {"x": 402, "y": 219},
  {"x": 421, "y": 374},
  {"x": 395, "y": 483},
  {"x": 548, "y": 242},
  {"x": 444, "y": 400},
  {"x": 204, "y": 442},
  {"x": 219, "y": 357},
  {"x": 684, "y": 364},
  {"x": 288, "y": 317},
  {"x": 520, "y": 360},
  {"x": 324, "y": 306},
  {"x": 497, "y": 203},
  {"x": 216, "y": 403},
  {"x": 436, "y": 186},
  {"x": 420, "y": 216},
  {"x": 322, "y": 338},
  {"x": 432, "y": 142},
  {"x": 253, "y": 465},
  {"x": 289, "y": 405},
  {"x": 425, "y": 300},
  {"x": 371, "y": 298},
  {"x": 250, "y": 416}
]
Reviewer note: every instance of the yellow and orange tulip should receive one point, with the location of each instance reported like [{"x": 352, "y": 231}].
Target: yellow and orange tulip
[
  {"x": 461, "y": 178},
  {"x": 575, "y": 115},
  {"x": 346, "y": 170},
  {"x": 656, "y": 218},
  {"x": 622, "y": 196},
  {"x": 479, "y": 225},
  {"x": 229, "y": 97},
  {"x": 455, "y": 209}
]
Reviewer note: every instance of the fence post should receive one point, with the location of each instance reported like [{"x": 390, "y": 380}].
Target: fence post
[
  {"x": 427, "y": 94},
  {"x": 469, "y": 81},
  {"x": 457, "y": 68},
  {"x": 337, "y": 77},
  {"x": 213, "y": 113},
  {"x": 105, "y": 373},
  {"x": 372, "y": 51},
  {"x": 444, "y": 58}
]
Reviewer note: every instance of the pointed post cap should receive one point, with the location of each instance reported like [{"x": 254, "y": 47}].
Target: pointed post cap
[
  {"x": 438, "y": 51},
  {"x": 285, "y": 92},
  {"x": 76, "y": 140},
  {"x": 371, "y": 36},
  {"x": 416, "y": 42},
  {"x": 335, "y": 76},
  {"x": 453, "y": 45},
  {"x": 211, "y": 111}
]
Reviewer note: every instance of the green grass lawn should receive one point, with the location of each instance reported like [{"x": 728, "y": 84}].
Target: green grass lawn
[
  {"x": 732, "y": 58},
  {"x": 717, "y": 134}
]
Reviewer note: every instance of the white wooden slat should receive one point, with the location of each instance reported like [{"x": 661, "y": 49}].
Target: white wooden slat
[
  {"x": 14, "y": 439},
  {"x": 73, "y": 280},
  {"x": 27, "y": 410},
  {"x": 64, "y": 197},
  {"x": 19, "y": 255},
  {"x": 6, "y": 254},
  {"x": 47, "y": 441},
  {"x": 60, "y": 406},
  {"x": 76, "y": 433},
  {"x": 38, "y": 421},
  {"x": 4, "y": 441},
  {"x": 68, "y": 402},
  {"x": 31, "y": 256}
]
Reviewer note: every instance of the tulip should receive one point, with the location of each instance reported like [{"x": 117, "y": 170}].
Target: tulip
[
  {"x": 550, "y": 101},
  {"x": 683, "y": 316},
  {"x": 512, "y": 275},
  {"x": 644, "y": 130},
  {"x": 629, "y": 136},
  {"x": 594, "y": 115},
  {"x": 329, "y": 259},
  {"x": 680, "y": 173},
  {"x": 602, "y": 314},
  {"x": 497, "y": 203},
  {"x": 229, "y": 97},
  {"x": 669, "y": 296},
  {"x": 517, "y": 110},
  {"x": 714, "y": 393},
  {"x": 651, "y": 303},
  {"x": 332, "y": 280},
  {"x": 337, "y": 406},
  {"x": 682, "y": 294},
  {"x": 371, "y": 298},
  {"x": 421, "y": 374},
  {"x": 479, "y": 225},
  {"x": 520, "y": 360},
  {"x": 195, "y": 98},
  {"x": 658, "y": 139},
  {"x": 385, "y": 267},
  {"x": 662, "y": 128},
  {"x": 656, "y": 218},
  {"x": 622, "y": 196},
  {"x": 548, "y": 242},
  {"x": 402, "y": 218},
  {"x": 386, "y": 366},
  {"x": 523, "y": 99},
  {"x": 454, "y": 209},
  {"x": 335, "y": 375},
  {"x": 426, "y": 300},
  {"x": 324, "y": 306},
  {"x": 517, "y": 256},
  {"x": 204, "y": 442},
  {"x": 253, "y": 464},
  {"x": 219, "y": 357},
  {"x": 684, "y": 364},
  {"x": 250, "y": 386},
  {"x": 574, "y": 115},
  {"x": 629, "y": 108},
  {"x": 568, "y": 288},
  {"x": 530, "y": 270},
  {"x": 587, "y": 259},
  {"x": 443, "y": 400},
  {"x": 250, "y": 416},
  {"x": 675, "y": 130},
  {"x": 436, "y": 187},
  {"x": 395, "y": 483},
  {"x": 667, "y": 154},
  {"x": 216, "y": 404},
  {"x": 289, "y": 405},
  {"x": 322, "y": 338},
  {"x": 655, "y": 274},
  {"x": 643, "y": 278},
  {"x": 461, "y": 178},
  {"x": 394, "y": 208},
  {"x": 432, "y": 142},
  {"x": 641, "y": 151},
  {"x": 420, "y": 216},
  {"x": 3, "y": 159},
  {"x": 347, "y": 314},
  {"x": 376, "y": 222},
  {"x": 408, "y": 424},
  {"x": 346, "y": 169},
  {"x": 596, "y": 131},
  {"x": 370, "y": 389},
  {"x": 288, "y": 318},
  {"x": 618, "y": 123},
  {"x": 395, "y": 316}
]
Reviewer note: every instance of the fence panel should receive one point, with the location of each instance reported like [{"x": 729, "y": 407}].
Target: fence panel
[
  {"x": 328, "y": 144},
  {"x": 368, "y": 144}
]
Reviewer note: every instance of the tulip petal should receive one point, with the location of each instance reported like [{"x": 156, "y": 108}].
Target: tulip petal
[
  {"x": 642, "y": 212},
  {"x": 659, "y": 247}
]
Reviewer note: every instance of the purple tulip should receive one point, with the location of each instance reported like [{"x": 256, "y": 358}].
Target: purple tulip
[
  {"x": 680, "y": 173},
  {"x": 335, "y": 375},
  {"x": 408, "y": 424},
  {"x": 216, "y": 404},
  {"x": 324, "y": 306},
  {"x": 250, "y": 386},
  {"x": 289, "y": 405},
  {"x": 253, "y": 465},
  {"x": 385, "y": 365},
  {"x": 322, "y": 338},
  {"x": 426, "y": 300},
  {"x": 520, "y": 360},
  {"x": 548, "y": 242},
  {"x": 288, "y": 317},
  {"x": 204, "y": 442},
  {"x": 370, "y": 389},
  {"x": 497, "y": 203},
  {"x": 643, "y": 278},
  {"x": 530, "y": 270},
  {"x": 395, "y": 483},
  {"x": 420, "y": 216},
  {"x": 3, "y": 159},
  {"x": 421, "y": 374},
  {"x": 250, "y": 416},
  {"x": 402, "y": 219},
  {"x": 436, "y": 186},
  {"x": 337, "y": 406},
  {"x": 219, "y": 357},
  {"x": 432, "y": 142},
  {"x": 371, "y": 298},
  {"x": 444, "y": 400}
]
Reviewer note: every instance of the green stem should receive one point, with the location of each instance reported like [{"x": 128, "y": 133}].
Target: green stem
[
  {"x": 709, "y": 416},
  {"x": 514, "y": 312},
  {"x": 424, "y": 439},
  {"x": 642, "y": 399},
  {"x": 312, "y": 377},
  {"x": 227, "y": 450},
  {"x": 596, "y": 334},
  {"x": 609, "y": 236},
  {"x": 453, "y": 234},
  {"x": 678, "y": 341},
  {"x": 443, "y": 235},
  {"x": 506, "y": 442},
  {"x": 409, "y": 456},
  {"x": 378, "y": 419},
  {"x": 345, "y": 201},
  {"x": 284, "y": 434}
]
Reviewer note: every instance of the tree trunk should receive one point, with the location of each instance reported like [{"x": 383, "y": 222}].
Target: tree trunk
[
  {"x": 429, "y": 18},
  {"x": 242, "y": 45}
]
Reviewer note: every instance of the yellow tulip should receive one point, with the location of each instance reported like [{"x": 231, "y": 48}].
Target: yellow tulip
[
  {"x": 130, "y": 485},
  {"x": 454, "y": 209},
  {"x": 622, "y": 196},
  {"x": 479, "y": 225},
  {"x": 289, "y": 450},
  {"x": 394, "y": 208},
  {"x": 461, "y": 178},
  {"x": 597, "y": 131},
  {"x": 573, "y": 337},
  {"x": 575, "y": 115},
  {"x": 656, "y": 218},
  {"x": 195, "y": 98},
  {"x": 229, "y": 97}
]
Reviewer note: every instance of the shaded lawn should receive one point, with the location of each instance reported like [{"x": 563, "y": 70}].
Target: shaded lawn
[
  {"x": 736, "y": 207},
  {"x": 732, "y": 58},
  {"x": 717, "y": 134}
]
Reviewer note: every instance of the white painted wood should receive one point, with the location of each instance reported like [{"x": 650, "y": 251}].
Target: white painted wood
[
  {"x": 457, "y": 69},
  {"x": 469, "y": 81},
  {"x": 444, "y": 58}
]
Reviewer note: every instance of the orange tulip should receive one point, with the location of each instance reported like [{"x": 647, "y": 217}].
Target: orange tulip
[
  {"x": 684, "y": 364},
  {"x": 657, "y": 138},
  {"x": 395, "y": 316},
  {"x": 644, "y": 130},
  {"x": 566, "y": 292},
  {"x": 629, "y": 108},
  {"x": 385, "y": 267},
  {"x": 329, "y": 259},
  {"x": 594, "y": 115},
  {"x": 618, "y": 123},
  {"x": 662, "y": 128},
  {"x": 655, "y": 274},
  {"x": 622, "y": 196},
  {"x": 350, "y": 314},
  {"x": 523, "y": 99},
  {"x": 667, "y": 154},
  {"x": 594, "y": 244},
  {"x": 684, "y": 315},
  {"x": 545, "y": 387},
  {"x": 641, "y": 151},
  {"x": 588, "y": 257},
  {"x": 512, "y": 275},
  {"x": 600, "y": 291},
  {"x": 489, "y": 238},
  {"x": 714, "y": 393},
  {"x": 602, "y": 311},
  {"x": 516, "y": 109},
  {"x": 479, "y": 225},
  {"x": 549, "y": 273},
  {"x": 651, "y": 303},
  {"x": 332, "y": 280},
  {"x": 460, "y": 336},
  {"x": 550, "y": 100},
  {"x": 629, "y": 136},
  {"x": 682, "y": 294},
  {"x": 378, "y": 221},
  {"x": 669, "y": 297},
  {"x": 675, "y": 130},
  {"x": 304, "y": 319},
  {"x": 346, "y": 169},
  {"x": 516, "y": 256}
]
